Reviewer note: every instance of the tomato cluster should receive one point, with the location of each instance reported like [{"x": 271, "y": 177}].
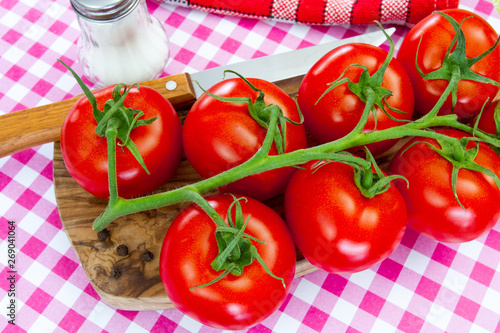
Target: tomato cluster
[{"x": 229, "y": 260}]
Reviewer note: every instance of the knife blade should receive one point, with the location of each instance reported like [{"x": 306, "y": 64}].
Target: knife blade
[
  {"x": 283, "y": 65},
  {"x": 32, "y": 127}
]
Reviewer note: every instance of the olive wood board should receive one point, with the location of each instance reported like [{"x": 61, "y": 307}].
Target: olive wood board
[{"x": 129, "y": 282}]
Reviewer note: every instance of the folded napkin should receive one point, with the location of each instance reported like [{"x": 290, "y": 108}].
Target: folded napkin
[{"x": 323, "y": 12}]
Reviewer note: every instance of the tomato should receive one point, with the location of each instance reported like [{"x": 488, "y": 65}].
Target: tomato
[
  {"x": 432, "y": 37},
  {"x": 487, "y": 121},
  {"x": 234, "y": 302},
  {"x": 218, "y": 136},
  {"x": 432, "y": 207},
  {"x": 339, "y": 111},
  {"x": 334, "y": 226},
  {"x": 160, "y": 145}
]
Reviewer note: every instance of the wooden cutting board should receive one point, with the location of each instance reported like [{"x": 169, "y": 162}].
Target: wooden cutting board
[{"x": 130, "y": 282}]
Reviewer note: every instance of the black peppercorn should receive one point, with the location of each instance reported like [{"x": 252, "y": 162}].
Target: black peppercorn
[
  {"x": 122, "y": 250},
  {"x": 115, "y": 273},
  {"x": 147, "y": 256},
  {"x": 103, "y": 235}
]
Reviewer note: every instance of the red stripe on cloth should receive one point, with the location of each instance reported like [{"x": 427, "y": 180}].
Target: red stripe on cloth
[
  {"x": 365, "y": 11},
  {"x": 252, "y": 8},
  {"x": 311, "y": 11},
  {"x": 419, "y": 9}
]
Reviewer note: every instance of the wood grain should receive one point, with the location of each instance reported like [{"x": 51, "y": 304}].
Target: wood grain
[
  {"x": 32, "y": 127},
  {"x": 129, "y": 282},
  {"x": 138, "y": 286}
]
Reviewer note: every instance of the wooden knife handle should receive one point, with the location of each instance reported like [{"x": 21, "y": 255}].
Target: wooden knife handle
[{"x": 32, "y": 127}]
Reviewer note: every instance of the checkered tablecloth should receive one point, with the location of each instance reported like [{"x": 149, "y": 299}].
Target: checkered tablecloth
[{"x": 424, "y": 286}]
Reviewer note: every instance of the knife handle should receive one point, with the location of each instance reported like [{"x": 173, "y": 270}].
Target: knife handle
[{"x": 39, "y": 125}]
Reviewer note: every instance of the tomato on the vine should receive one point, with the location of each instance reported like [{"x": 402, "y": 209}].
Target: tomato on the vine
[
  {"x": 338, "y": 112},
  {"x": 489, "y": 118},
  {"x": 427, "y": 44},
  {"x": 433, "y": 209},
  {"x": 220, "y": 135},
  {"x": 233, "y": 302},
  {"x": 334, "y": 226},
  {"x": 160, "y": 145}
]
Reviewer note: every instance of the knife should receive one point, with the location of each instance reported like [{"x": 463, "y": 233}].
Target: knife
[
  {"x": 275, "y": 68},
  {"x": 39, "y": 125}
]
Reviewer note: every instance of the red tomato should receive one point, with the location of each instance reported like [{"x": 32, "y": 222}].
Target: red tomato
[
  {"x": 334, "y": 226},
  {"x": 234, "y": 302},
  {"x": 339, "y": 111},
  {"x": 218, "y": 136},
  {"x": 487, "y": 121},
  {"x": 432, "y": 36},
  {"x": 86, "y": 156},
  {"x": 432, "y": 207}
]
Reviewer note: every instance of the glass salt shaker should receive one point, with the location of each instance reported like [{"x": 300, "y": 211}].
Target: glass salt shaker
[{"x": 120, "y": 41}]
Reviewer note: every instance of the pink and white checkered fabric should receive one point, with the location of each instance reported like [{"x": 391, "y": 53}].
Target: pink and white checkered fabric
[
  {"x": 324, "y": 12},
  {"x": 424, "y": 286}
]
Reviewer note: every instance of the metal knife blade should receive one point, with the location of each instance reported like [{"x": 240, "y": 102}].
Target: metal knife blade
[{"x": 283, "y": 65}]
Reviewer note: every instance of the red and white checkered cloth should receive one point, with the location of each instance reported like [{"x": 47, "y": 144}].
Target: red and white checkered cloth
[
  {"x": 324, "y": 12},
  {"x": 424, "y": 286}
]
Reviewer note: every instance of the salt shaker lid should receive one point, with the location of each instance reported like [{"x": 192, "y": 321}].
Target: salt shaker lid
[{"x": 103, "y": 10}]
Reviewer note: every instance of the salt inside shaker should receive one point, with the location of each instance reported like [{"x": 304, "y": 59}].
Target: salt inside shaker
[{"x": 120, "y": 41}]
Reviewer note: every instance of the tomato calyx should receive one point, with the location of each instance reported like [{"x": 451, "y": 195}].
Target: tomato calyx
[
  {"x": 369, "y": 88},
  {"x": 236, "y": 250},
  {"x": 455, "y": 151},
  {"x": 116, "y": 119},
  {"x": 260, "y": 111},
  {"x": 368, "y": 177},
  {"x": 455, "y": 66}
]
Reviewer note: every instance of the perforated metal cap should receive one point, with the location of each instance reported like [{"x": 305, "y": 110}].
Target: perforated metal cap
[{"x": 102, "y": 10}]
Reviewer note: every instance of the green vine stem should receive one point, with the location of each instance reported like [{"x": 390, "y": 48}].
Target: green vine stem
[
  {"x": 261, "y": 162},
  {"x": 111, "y": 135}
]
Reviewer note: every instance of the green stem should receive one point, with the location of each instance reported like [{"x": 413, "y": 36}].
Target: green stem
[
  {"x": 200, "y": 201},
  {"x": 111, "y": 135},
  {"x": 371, "y": 97},
  {"x": 261, "y": 162},
  {"x": 367, "y": 180},
  {"x": 452, "y": 86}
]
